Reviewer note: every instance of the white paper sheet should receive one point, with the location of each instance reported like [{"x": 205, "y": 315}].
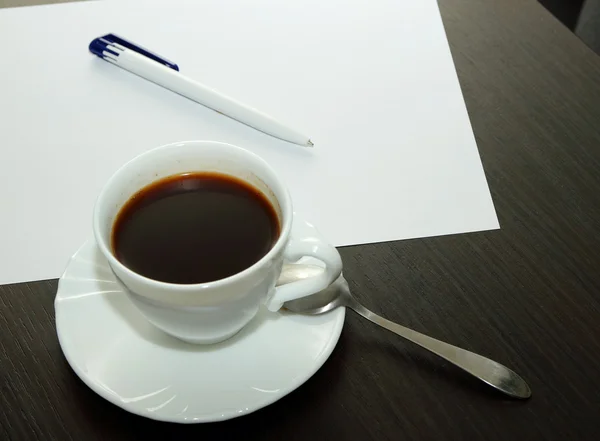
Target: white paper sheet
[{"x": 372, "y": 83}]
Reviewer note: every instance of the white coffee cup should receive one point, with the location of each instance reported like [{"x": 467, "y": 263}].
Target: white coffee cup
[{"x": 212, "y": 312}]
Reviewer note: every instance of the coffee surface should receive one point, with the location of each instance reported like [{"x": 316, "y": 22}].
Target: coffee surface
[{"x": 194, "y": 228}]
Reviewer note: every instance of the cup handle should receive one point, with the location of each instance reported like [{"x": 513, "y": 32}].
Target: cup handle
[{"x": 306, "y": 241}]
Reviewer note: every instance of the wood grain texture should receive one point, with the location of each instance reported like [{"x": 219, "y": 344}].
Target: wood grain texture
[{"x": 527, "y": 296}]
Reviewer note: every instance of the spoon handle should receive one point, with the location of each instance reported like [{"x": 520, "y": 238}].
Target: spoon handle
[{"x": 488, "y": 371}]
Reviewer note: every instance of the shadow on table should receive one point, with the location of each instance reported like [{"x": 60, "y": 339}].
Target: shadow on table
[{"x": 582, "y": 17}]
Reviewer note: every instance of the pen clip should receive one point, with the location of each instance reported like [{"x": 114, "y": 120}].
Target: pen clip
[{"x": 103, "y": 44}]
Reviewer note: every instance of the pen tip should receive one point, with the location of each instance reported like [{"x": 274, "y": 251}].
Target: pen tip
[{"x": 309, "y": 143}]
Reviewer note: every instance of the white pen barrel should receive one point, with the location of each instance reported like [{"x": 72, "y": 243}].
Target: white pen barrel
[{"x": 178, "y": 83}]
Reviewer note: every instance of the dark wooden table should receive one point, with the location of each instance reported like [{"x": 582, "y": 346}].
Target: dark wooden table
[{"x": 527, "y": 295}]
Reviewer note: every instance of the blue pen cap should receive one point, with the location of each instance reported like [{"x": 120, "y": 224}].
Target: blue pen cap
[{"x": 103, "y": 44}]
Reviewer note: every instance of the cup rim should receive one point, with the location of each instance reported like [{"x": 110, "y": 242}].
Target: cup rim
[{"x": 286, "y": 225}]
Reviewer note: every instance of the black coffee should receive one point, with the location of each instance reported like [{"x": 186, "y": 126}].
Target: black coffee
[{"x": 194, "y": 228}]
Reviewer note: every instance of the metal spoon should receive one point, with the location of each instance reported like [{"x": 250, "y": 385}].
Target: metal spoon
[{"x": 338, "y": 294}]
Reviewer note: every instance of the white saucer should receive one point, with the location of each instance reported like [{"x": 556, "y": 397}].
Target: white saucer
[{"x": 132, "y": 364}]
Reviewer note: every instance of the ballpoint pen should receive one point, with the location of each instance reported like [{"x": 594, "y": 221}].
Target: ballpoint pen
[{"x": 148, "y": 65}]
